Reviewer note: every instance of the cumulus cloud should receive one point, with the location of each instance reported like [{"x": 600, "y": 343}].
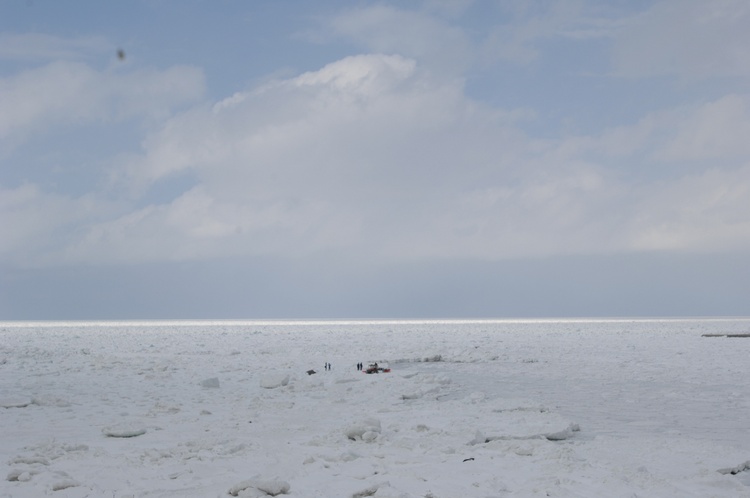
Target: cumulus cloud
[
  {"x": 345, "y": 117},
  {"x": 328, "y": 152},
  {"x": 384, "y": 155},
  {"x": 370, "y": 154}
]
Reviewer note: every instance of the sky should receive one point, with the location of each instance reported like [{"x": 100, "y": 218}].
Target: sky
[{"x": 336, "y": 159}]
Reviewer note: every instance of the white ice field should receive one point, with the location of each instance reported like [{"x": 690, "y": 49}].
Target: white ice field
[{"x": 561, "y": 408}]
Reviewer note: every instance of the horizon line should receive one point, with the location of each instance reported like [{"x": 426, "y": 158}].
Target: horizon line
[{"x": 351, "y": 321}]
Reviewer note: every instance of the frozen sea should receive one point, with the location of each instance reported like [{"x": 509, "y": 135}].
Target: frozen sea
[{"x": 471, "y": 408}]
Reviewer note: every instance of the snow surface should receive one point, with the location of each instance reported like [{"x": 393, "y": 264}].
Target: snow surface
[{"x": 525, "y": 408}]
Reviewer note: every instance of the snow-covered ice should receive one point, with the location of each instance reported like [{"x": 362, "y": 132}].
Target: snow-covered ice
[{"x": 514, "y": 408}]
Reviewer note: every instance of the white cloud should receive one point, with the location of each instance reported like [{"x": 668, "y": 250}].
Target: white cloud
[
  {"x": 393, "y": 168},
  {"x": 199, "y": 225},
  {"x": 342, "y": 118},
  {"x": 38, "y": 225},
  {"x": 682, "y": 137},
  {"x": 703, "y": 212},
  {"x": 684, "y": 179},
  {"x": 73, "y": 93},
  {"x": 718, "y": 130},
  {"x": 676, "y": 180},
  {"x": 362, "y": 75},
  {"x": 340, "y": 157},
  {"x": 546, "y": 212},
  {"x": 382, "y": 155}
]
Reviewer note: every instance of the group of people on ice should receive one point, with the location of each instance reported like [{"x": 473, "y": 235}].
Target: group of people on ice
[{"x": 371, "y": 368}]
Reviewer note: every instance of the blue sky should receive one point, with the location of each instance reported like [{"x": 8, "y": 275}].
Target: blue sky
[{"x": 374, "y": 159}]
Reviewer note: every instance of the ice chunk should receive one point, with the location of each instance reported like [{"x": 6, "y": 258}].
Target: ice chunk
[
  {"x": 213, "y": 382},
  {"x": 274, "y": 380}
]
